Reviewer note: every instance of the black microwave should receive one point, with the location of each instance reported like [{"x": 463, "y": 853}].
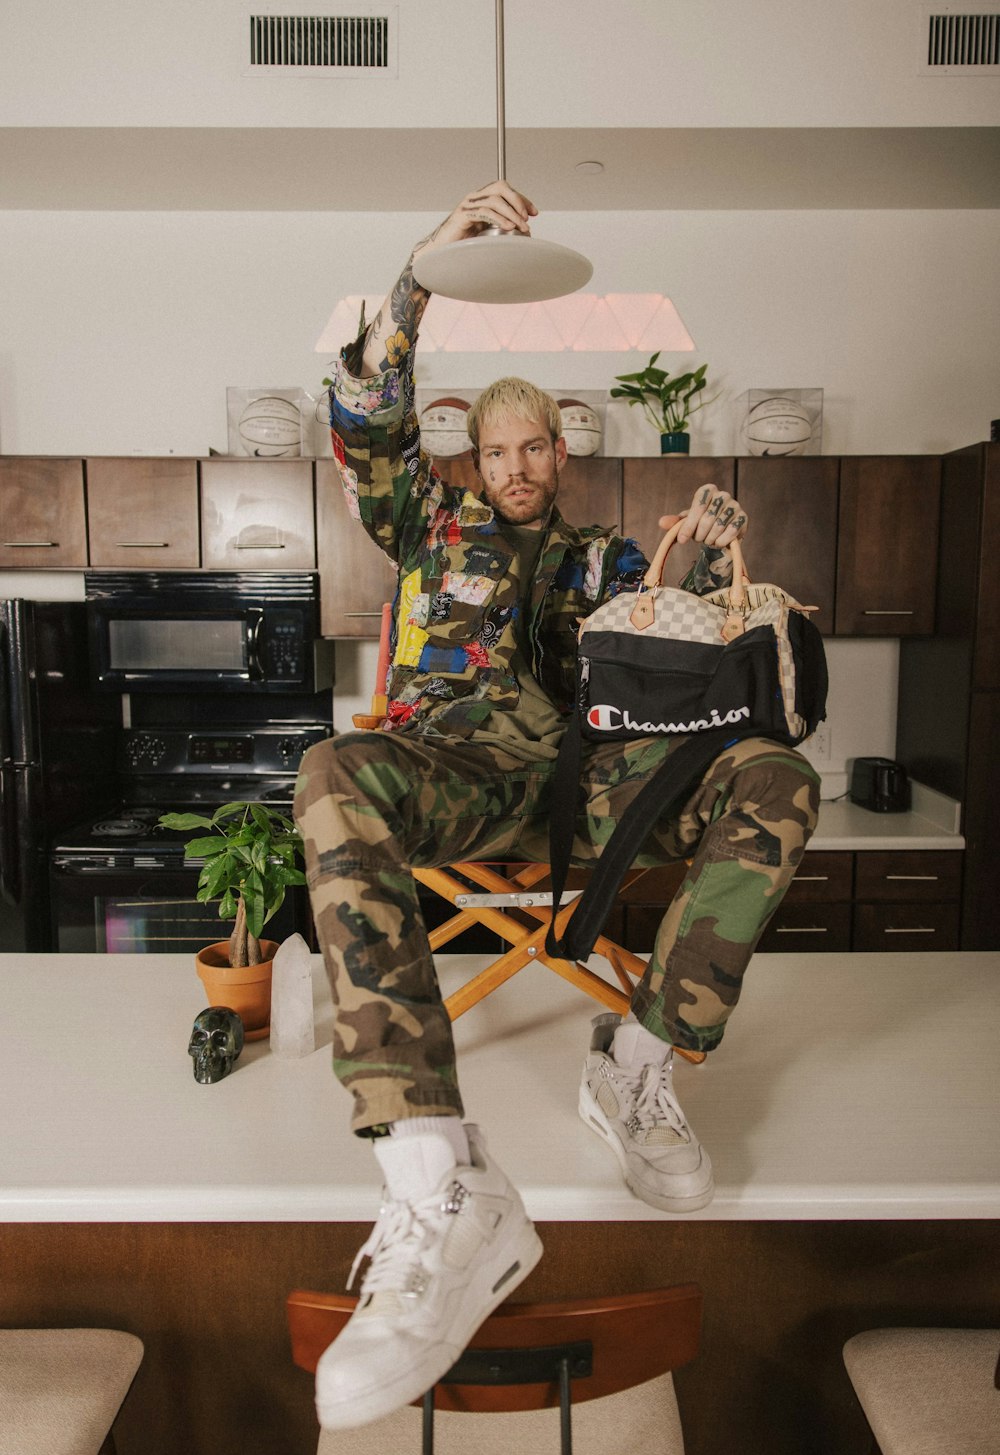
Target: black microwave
[{"x": 227, "y": 631}]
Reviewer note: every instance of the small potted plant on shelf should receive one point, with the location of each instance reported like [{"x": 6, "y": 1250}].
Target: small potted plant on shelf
[
  {"x": 665, "y": 401},
  {"x": 248, "y": 862}
]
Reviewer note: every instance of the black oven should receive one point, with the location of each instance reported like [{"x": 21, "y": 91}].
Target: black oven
[
  {"x": 119, "y": 881},
  {"x": 207, "y": 631}
]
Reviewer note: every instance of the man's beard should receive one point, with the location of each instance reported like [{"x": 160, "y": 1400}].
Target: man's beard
[{"x": 526, "y": 509}]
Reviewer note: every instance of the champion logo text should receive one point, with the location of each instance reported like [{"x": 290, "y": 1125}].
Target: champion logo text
[{"x": 607, "y": 719}]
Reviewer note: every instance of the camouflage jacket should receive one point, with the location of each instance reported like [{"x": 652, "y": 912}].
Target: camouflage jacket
[{"x": 458, "y": 595}]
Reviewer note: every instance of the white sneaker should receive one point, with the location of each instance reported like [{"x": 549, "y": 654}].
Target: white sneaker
[
  {"x": 439, "y": 1266},
  {"x": 636, "y": 1112}
]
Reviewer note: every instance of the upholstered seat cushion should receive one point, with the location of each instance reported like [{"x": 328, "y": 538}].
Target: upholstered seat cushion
[
  {"x": 60, "y": 1389},
  {"x": 642, "y": 1418},
  {"x": 928, "y": 1391}
]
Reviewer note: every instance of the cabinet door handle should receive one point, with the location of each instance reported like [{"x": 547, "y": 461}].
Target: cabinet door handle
[
  {"x": 923, "y": 878},
  {"x": 275, "y": 546},
  {"x": 29, "y": 545},
  {"x": 812, "y": 878},
  {"x": 915, "y": 930},
  {"x": 802, "y": 930},
  {"x": 362, "y": 613},
  {"x": 142, "y": 545},
  {"x": 902, "y": 612}
]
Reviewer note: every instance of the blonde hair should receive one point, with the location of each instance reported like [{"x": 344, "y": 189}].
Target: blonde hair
[{"x": 513, "y": 398}]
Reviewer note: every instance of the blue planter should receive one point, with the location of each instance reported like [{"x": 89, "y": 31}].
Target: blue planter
[{"x": 675, "y": 444}]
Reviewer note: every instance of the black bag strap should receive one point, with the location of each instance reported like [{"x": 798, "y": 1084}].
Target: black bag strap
[{"x": 671, "y": 781}]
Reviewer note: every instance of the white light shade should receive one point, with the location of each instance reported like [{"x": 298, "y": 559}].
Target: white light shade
[{"x": 502, "y": 268}]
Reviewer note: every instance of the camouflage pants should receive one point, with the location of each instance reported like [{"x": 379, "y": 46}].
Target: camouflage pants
[{"x": 371, "y": 806}]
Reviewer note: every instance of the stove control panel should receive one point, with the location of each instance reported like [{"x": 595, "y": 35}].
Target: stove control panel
[
  {"x": 144, "y": 751},
  {"x": 211, "y": 749},
  {"x": 209, "y": 752}
]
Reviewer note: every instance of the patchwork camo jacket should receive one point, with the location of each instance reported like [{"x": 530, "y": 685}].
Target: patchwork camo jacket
[{"x": 457, "y": 602}]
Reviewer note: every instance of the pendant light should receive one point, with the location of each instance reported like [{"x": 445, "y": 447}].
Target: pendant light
[{"x": 496, "y": 266}]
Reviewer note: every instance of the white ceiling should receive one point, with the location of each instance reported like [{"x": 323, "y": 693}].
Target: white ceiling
[{"x": 673, "y": 169}]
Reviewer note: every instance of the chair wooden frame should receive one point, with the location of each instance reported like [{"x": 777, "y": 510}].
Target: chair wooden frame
[
  {"x": 634, "y": 1337},
  {"x": 527, "y": 942}
]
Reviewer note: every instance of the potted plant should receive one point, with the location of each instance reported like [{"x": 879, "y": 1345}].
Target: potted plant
[
  {"x": 248, "y": 862},
  {"x": 665, "y": 401}
]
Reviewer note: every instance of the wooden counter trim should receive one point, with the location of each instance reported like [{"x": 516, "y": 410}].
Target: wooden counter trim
[{"x": 208, "y": 1300}]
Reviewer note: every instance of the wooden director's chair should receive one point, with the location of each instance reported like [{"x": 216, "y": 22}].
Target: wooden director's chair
[{"x": 512, "y": 907}]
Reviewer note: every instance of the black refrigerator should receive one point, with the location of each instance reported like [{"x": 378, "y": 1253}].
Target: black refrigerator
[{"x": 57, "y": 755}]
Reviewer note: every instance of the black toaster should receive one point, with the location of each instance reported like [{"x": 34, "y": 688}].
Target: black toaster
[{"x": 879, "y": 784}]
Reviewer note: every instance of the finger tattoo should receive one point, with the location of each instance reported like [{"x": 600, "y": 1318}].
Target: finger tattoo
[
  {"x": 716, "y": 505},
  {"x": 705, "y": 495}
]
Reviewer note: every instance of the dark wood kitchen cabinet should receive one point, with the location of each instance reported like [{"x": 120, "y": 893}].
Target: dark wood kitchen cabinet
[
  {"x": 907, "y": 901},
  {"x": 791, "y": 502},
  {"x": 948, "y": 723},
  {"x": 43, "y": 515},
  {"x": 900, "y": 899},
  {"x": 258, "y": 515},
  {"x": 887, "y": 545},
  {"x": 815, "y": 914},
  {"x": 143, "y": 513},
  {"x": 355, "y": 577}
]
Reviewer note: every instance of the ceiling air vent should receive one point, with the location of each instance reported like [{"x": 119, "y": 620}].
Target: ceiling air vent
[
  {"x": 341, "y": 45},
  {"x": 967, "y": 45}
]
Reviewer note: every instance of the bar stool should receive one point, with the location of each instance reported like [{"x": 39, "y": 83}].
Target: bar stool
[
  {"x": 61, "y": 1389},
  {"x": 607, "y": 1360},
  {"x": 928, "y": 1391}
]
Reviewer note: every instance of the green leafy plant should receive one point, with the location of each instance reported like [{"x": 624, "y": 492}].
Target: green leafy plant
[
  {"x": 249, "y": 862},
  {"x": 665, "y": 401}
]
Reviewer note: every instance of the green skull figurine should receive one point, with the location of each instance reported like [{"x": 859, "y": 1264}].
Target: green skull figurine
[{"x": 216, "y": 1042}]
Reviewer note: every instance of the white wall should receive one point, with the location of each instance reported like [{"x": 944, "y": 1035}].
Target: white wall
[{"x": 121, "y": 331}]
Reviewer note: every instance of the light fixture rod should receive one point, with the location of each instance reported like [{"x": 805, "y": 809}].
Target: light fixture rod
[
  {"x": 498, "y": 266},
  {"x": 501, "y": 121}
]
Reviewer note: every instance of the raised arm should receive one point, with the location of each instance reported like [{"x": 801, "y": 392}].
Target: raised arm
[{"x": 392, "y": 333}]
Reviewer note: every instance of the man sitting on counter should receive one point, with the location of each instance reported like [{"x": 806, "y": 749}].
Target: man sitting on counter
[{"x": 492, "y": 588}]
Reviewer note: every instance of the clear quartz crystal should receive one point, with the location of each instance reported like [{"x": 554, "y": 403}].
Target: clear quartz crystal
[{"x": 293, "y": 1031}]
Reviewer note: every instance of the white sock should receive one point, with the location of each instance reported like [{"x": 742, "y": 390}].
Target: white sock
[
  {"x": 633, "y": 1046},
  {"x": 418, "y": 1152}
]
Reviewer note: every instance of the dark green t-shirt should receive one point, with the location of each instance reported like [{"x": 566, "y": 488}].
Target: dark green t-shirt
[{"x": 533, "y": 729}]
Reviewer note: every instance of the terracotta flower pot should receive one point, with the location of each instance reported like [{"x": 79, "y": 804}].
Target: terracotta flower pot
[{"x": 246, "y": 989}]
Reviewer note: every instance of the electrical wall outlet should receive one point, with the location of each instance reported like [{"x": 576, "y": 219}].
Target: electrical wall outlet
[{"x": 818, "y": 746}]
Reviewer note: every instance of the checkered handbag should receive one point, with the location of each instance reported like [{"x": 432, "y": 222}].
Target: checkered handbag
[
  {"x": 707, "y": 670},
  {"x": 664, "y": 661}
]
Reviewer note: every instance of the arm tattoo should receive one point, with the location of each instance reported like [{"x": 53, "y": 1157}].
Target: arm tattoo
[
  {"x": 712, "y": 570},
  {"x": 384, "y": 343}
]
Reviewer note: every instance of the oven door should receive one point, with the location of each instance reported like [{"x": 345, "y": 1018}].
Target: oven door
[{"x": 129, "y": 911}]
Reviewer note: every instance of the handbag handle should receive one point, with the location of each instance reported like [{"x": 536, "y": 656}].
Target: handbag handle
[{"x": 737, "y": 591}]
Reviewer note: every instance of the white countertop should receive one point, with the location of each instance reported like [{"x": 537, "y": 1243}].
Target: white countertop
[
  {"x": 848, "y": 1086},
  {"x": 931, "y": 823}
]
